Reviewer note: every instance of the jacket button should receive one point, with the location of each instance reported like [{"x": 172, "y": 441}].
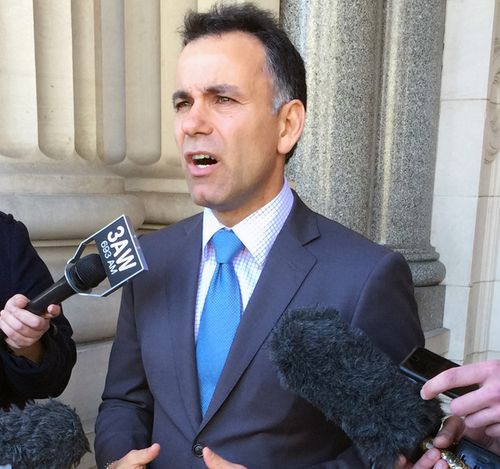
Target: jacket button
[{"x": 198, "y": 450}]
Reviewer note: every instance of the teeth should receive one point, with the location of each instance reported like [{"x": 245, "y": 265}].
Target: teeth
[
  {"x": 202, "y": 161},
  {"x": 202, "y": 157}
]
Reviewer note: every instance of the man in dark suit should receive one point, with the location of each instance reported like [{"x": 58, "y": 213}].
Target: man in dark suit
[
  {"x": 240, "y": 109},
  {"x": 37, "y": 353}
]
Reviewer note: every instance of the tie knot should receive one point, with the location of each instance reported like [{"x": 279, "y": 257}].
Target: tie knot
[{"x": 226, "y": 245}]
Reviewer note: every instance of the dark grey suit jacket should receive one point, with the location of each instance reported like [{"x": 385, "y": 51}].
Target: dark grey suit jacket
[{"x": 151, "y": 392}]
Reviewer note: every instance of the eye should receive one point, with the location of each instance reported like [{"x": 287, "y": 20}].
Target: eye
[
  {"x": 223, "y": 99},
  {"x": 179, "y": 105}
]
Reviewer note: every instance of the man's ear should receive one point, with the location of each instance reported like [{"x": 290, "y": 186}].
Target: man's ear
[{"x": 292, "y": 116}]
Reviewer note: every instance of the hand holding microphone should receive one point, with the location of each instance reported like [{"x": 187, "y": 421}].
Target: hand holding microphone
[
  {"x": 23, "y": 329},
  {"x": 476, "y": 414},
  {"x": 82, "y": 276},
  {"x": 24, "y": 322},
  {"x": 120, "y": 259},
  {"x": 50, "y": 435},
  {"x": 339, "y": 371}
]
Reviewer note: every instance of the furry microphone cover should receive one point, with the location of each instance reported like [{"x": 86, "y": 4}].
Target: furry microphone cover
[
  {"x": 47, "y": 435},
  {"x": 338, "y": 370}
]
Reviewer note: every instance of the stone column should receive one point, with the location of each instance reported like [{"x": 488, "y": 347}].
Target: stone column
[
  {"x": 44, "y": 181},
  {"x": 340, "y": 43},
  {"x": 135, "y": 70},
  {"x": 407, "y": 140},
  {"x": 368, "y": 159},
  {"x": 51, "y": 176}
]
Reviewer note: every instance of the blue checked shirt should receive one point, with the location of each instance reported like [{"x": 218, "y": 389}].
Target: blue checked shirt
[{"x": 257, "y": 232}]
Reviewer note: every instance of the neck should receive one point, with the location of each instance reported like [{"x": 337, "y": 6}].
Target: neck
[{"x": 232, "y": 217}]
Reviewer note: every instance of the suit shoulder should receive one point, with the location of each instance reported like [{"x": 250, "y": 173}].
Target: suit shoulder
[
  {"x": 319, "y": 232},
  {"x": 346, "y": 238},
  {"x": 333, "y": 243}
]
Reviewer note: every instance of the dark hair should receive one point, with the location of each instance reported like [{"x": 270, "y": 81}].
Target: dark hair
[{"x": 283, "y": 61}]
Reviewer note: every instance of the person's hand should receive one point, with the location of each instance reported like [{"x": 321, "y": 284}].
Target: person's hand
[
  {"x": 214, "y": 461},
  {"x": 450, "y": 432},
  {"x": 137, "y": 458},
  {"x": 23, "y": 329},
  {"x": 479, "y": 409},
  {"x": 431, "y": 459}
]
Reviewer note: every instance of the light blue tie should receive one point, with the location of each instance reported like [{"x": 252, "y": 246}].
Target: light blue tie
[{"x": 220, "y": 316}]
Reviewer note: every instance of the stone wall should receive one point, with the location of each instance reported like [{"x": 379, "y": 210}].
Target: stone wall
[{"x": 86, "y": 135}]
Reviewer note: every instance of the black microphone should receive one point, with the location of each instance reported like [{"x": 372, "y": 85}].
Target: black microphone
[
  {"x": 339, "y": 371},
  {"x": 46, "y": 435},
  {"x": 84, "y": 275}
]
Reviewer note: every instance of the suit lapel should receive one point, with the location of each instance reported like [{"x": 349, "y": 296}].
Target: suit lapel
[
  {"x": 286, "y": 268},
  {"x": 181, "y": 301}
]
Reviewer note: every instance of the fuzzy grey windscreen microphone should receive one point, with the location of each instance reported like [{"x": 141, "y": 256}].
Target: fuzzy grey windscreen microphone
[
  {"x": 46, "y": 435},
  {"x": 338, "y": 370}
]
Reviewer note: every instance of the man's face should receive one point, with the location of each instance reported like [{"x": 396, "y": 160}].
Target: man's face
[{"x": 224, "y": 125}]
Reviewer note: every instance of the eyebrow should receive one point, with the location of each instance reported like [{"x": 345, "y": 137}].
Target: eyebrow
[
  {"x": 215, "y": 89},
  {"x": 179, "y": 95}
]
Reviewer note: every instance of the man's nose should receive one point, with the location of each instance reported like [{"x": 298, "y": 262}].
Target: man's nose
[{"x": 196, "y": 120}]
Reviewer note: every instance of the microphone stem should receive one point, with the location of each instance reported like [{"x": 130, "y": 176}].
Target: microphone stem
[
  {"x": 453, "y": 461},
  {"x": 56, "y": 294}
]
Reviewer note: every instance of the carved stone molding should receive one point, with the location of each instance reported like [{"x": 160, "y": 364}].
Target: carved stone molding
[{"x": 492, "y": 135}]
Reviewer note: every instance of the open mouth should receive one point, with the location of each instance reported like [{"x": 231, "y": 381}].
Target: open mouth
[{"x": 203, "y": 161}]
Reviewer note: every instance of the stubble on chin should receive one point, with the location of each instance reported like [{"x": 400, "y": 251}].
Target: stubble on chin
[{"x": 198, "y": 197}]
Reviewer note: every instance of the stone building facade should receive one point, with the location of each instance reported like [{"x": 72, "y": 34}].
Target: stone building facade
[{"x": 401, "y": 144}]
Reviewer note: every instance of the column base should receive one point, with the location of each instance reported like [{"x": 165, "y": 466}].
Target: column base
[{"x": 430, "y": 301}]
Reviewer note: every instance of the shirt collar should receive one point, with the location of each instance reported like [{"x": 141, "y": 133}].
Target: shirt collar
[{"x": 259, "y": 230}]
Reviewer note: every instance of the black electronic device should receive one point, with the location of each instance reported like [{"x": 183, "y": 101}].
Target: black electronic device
[
  {"x": 422, "y": 364},
  {"x": 475, "y": 456}
]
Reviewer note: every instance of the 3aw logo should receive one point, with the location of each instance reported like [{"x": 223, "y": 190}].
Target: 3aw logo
[
  {"x": 117, "y": 251},
  {"x": 120, "y": 251}
]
